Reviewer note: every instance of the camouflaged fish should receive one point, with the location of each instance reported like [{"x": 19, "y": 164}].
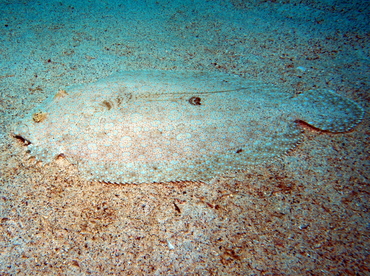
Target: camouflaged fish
[{"x": 158, "y": 126}]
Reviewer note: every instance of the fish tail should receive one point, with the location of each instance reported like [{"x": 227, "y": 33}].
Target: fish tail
[{"x": 326, "y": 110}]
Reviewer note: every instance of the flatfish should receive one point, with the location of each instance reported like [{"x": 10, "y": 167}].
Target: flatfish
[{"x": 160, "y": 126}]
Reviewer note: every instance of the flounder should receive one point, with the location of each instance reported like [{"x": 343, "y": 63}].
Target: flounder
[{"x": 158, "y": 126}]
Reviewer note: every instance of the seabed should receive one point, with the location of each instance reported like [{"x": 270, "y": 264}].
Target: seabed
[{"x": 304, "y": 214}]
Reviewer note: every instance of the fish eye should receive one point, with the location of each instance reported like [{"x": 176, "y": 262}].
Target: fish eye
[{"x": 195, "y": 101}]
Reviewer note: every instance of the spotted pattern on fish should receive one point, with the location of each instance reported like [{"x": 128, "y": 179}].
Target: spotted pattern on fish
[{"x": 157, "y": 126}]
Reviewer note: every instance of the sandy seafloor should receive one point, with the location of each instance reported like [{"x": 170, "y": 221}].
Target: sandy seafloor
[{"x": 305, "y": 214}]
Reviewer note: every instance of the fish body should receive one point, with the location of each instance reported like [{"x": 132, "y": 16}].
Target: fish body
[{"x": 158, "y": 126}]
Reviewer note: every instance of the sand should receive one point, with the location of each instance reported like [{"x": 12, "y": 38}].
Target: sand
[{"x": 304, "y": 214}]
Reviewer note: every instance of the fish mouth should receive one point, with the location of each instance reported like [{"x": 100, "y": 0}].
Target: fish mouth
[
  {"x": 22, "y": 140},
  {"x": 20, "y": 132}
]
